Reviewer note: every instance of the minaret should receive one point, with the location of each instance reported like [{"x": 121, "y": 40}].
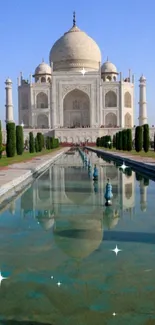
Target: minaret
[
  {"x": 142, "y": 101},
  {"x": 9, "y": 104}
]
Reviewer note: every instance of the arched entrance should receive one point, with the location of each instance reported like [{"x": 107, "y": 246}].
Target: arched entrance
[
  {"x": 42, "y": 121},
  {"x": 76, "y": 108}
]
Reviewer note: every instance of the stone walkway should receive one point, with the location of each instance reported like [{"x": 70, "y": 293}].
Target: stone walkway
[{"x": 16, "y": 174}]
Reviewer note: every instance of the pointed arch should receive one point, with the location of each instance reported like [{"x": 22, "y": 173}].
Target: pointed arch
[
  {"x": 110, "y": 99},
  {"x": 42, "y": 100},
  {"x": 127, "y": 120},
  {"x": 111, "y": 120},
  {"x": 76, "y": 109},
  {"x": 127, "y": 100}
]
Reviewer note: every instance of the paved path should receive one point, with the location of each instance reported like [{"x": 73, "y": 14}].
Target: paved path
[{"x": 17, "y": 174}]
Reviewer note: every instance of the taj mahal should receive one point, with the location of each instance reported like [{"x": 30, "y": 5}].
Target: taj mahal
[{"x": 76, "y": 97}]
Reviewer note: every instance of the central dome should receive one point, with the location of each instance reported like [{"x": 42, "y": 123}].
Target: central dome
[{"x": 75, "y": 50}]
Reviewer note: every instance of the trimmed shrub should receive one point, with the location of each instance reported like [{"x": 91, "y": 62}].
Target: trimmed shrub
[
  {"x": 48, "y": 143},
  {"x": 124, "y": 140},
  {"x": 98, "y": 142},
  {"x": 120, "y": 140},
  {"x": 139, "y": 138},
  {"x": 117, "y": 141},
  {"x": 40, "y": 141},
  {"x": 129, "y": 139},
  {"x": 114, "y": 141},
  {"x": 11, "y": 139},
  {"x": 19, "y": 140},
  {"x": 146, "y": 137},
  {"x": 36, "y": 144},
  {"x": 31, "y": 143},
  {"x": 1, "y": 144}
]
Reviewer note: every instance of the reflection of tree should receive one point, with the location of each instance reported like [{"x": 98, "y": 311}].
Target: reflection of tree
[
  {"x": 139, "y": 177},
  {"x": 146, "y": 181},
  {"x": 128, "y": 172}
]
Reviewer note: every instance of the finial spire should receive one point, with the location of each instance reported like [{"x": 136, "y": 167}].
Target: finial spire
[
  {"x": 74, "y": 19},
  {"x": 42, "y": 60},
  {"x": 107, "y": 58}
]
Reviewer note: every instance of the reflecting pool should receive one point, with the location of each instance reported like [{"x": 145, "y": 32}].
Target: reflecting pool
[{"x": 56, "y": 248}]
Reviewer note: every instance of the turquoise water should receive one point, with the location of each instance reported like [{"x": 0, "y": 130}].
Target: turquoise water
[{"x": 56, "y": 243}]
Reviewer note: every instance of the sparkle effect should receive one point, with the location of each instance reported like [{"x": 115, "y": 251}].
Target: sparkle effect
[
  {"x": 114, "y": 314},
  {"x": 83, "y": 71},
  {"x": 58, "y": 284},
  {"x": 123, "y": 166},
  {"x": 1, "y": 278},
  {"x": 116, "y": 250},
  {"x": 22, "y": 124}
]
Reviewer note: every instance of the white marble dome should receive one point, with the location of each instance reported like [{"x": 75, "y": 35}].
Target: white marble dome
[
  {"x": 75, "y": 50},
  {"x": 108, "y": 67},
  {"x": 43, "y": 68}
]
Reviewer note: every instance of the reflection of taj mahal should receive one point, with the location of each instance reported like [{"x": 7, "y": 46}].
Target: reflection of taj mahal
[
  {"x": 67, "y": 189},
  {"x": 62, "y": 99}
]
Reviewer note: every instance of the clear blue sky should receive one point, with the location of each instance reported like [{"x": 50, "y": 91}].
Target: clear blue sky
[{"x": 124, "y": 30}]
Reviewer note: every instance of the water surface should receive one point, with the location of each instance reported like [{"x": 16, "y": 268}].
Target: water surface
[{"x": 59, "y": 231}]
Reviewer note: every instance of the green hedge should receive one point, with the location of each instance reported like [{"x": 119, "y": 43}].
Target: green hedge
[
  {"x": 19, "y": 140},
  {"x": 11, "y": 139}
]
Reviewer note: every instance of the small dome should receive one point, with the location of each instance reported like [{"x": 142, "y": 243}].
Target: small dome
[
  {"x": 75, "y": 50},
  {"x": 43, "y": 68},
  {"x": 142, "y": 78},
  {"x": 8, "y": 81},
  {"x": 108, "y": 67}
]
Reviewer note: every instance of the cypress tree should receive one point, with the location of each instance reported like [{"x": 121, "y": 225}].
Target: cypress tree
[
  {"x": 124, "y": 140},
  {"x": 36, "y": 144},
  {"x": 120, "y": 142},
  {"x": 11, "y": 139},
  {"x": 1, "y": 144},
  {"x": 139, "y": 138},
  {"x": 31, "y": 143},
  {"x": 114, "y": 140},
  {"x": 40, "y": 141},
  {"x": 98, "y": 140},
  {"x": 146, "y": 137},
  {"x": 19, "y": 140},
  {"x": 117, "y": 141},
  {"x": 129, "y": 139}
]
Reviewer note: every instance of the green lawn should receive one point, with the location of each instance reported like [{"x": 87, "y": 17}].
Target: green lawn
[
  {"x": 5, "y": 161},
  {"x": 150, "y": 153}
]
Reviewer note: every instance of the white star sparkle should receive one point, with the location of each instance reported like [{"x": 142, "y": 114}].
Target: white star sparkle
[
  {"x": 116, "y": 250},
  {"x": 22, "y": 124},
  {"x": 58, "y": 284},
  {"x": 114, "y": 314},
  {"x": 123, "y": 166},
  {"x": 83, "y": 71},
  {"x": 52, "y": 277},
  {"x": 2, "y": 278}
]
